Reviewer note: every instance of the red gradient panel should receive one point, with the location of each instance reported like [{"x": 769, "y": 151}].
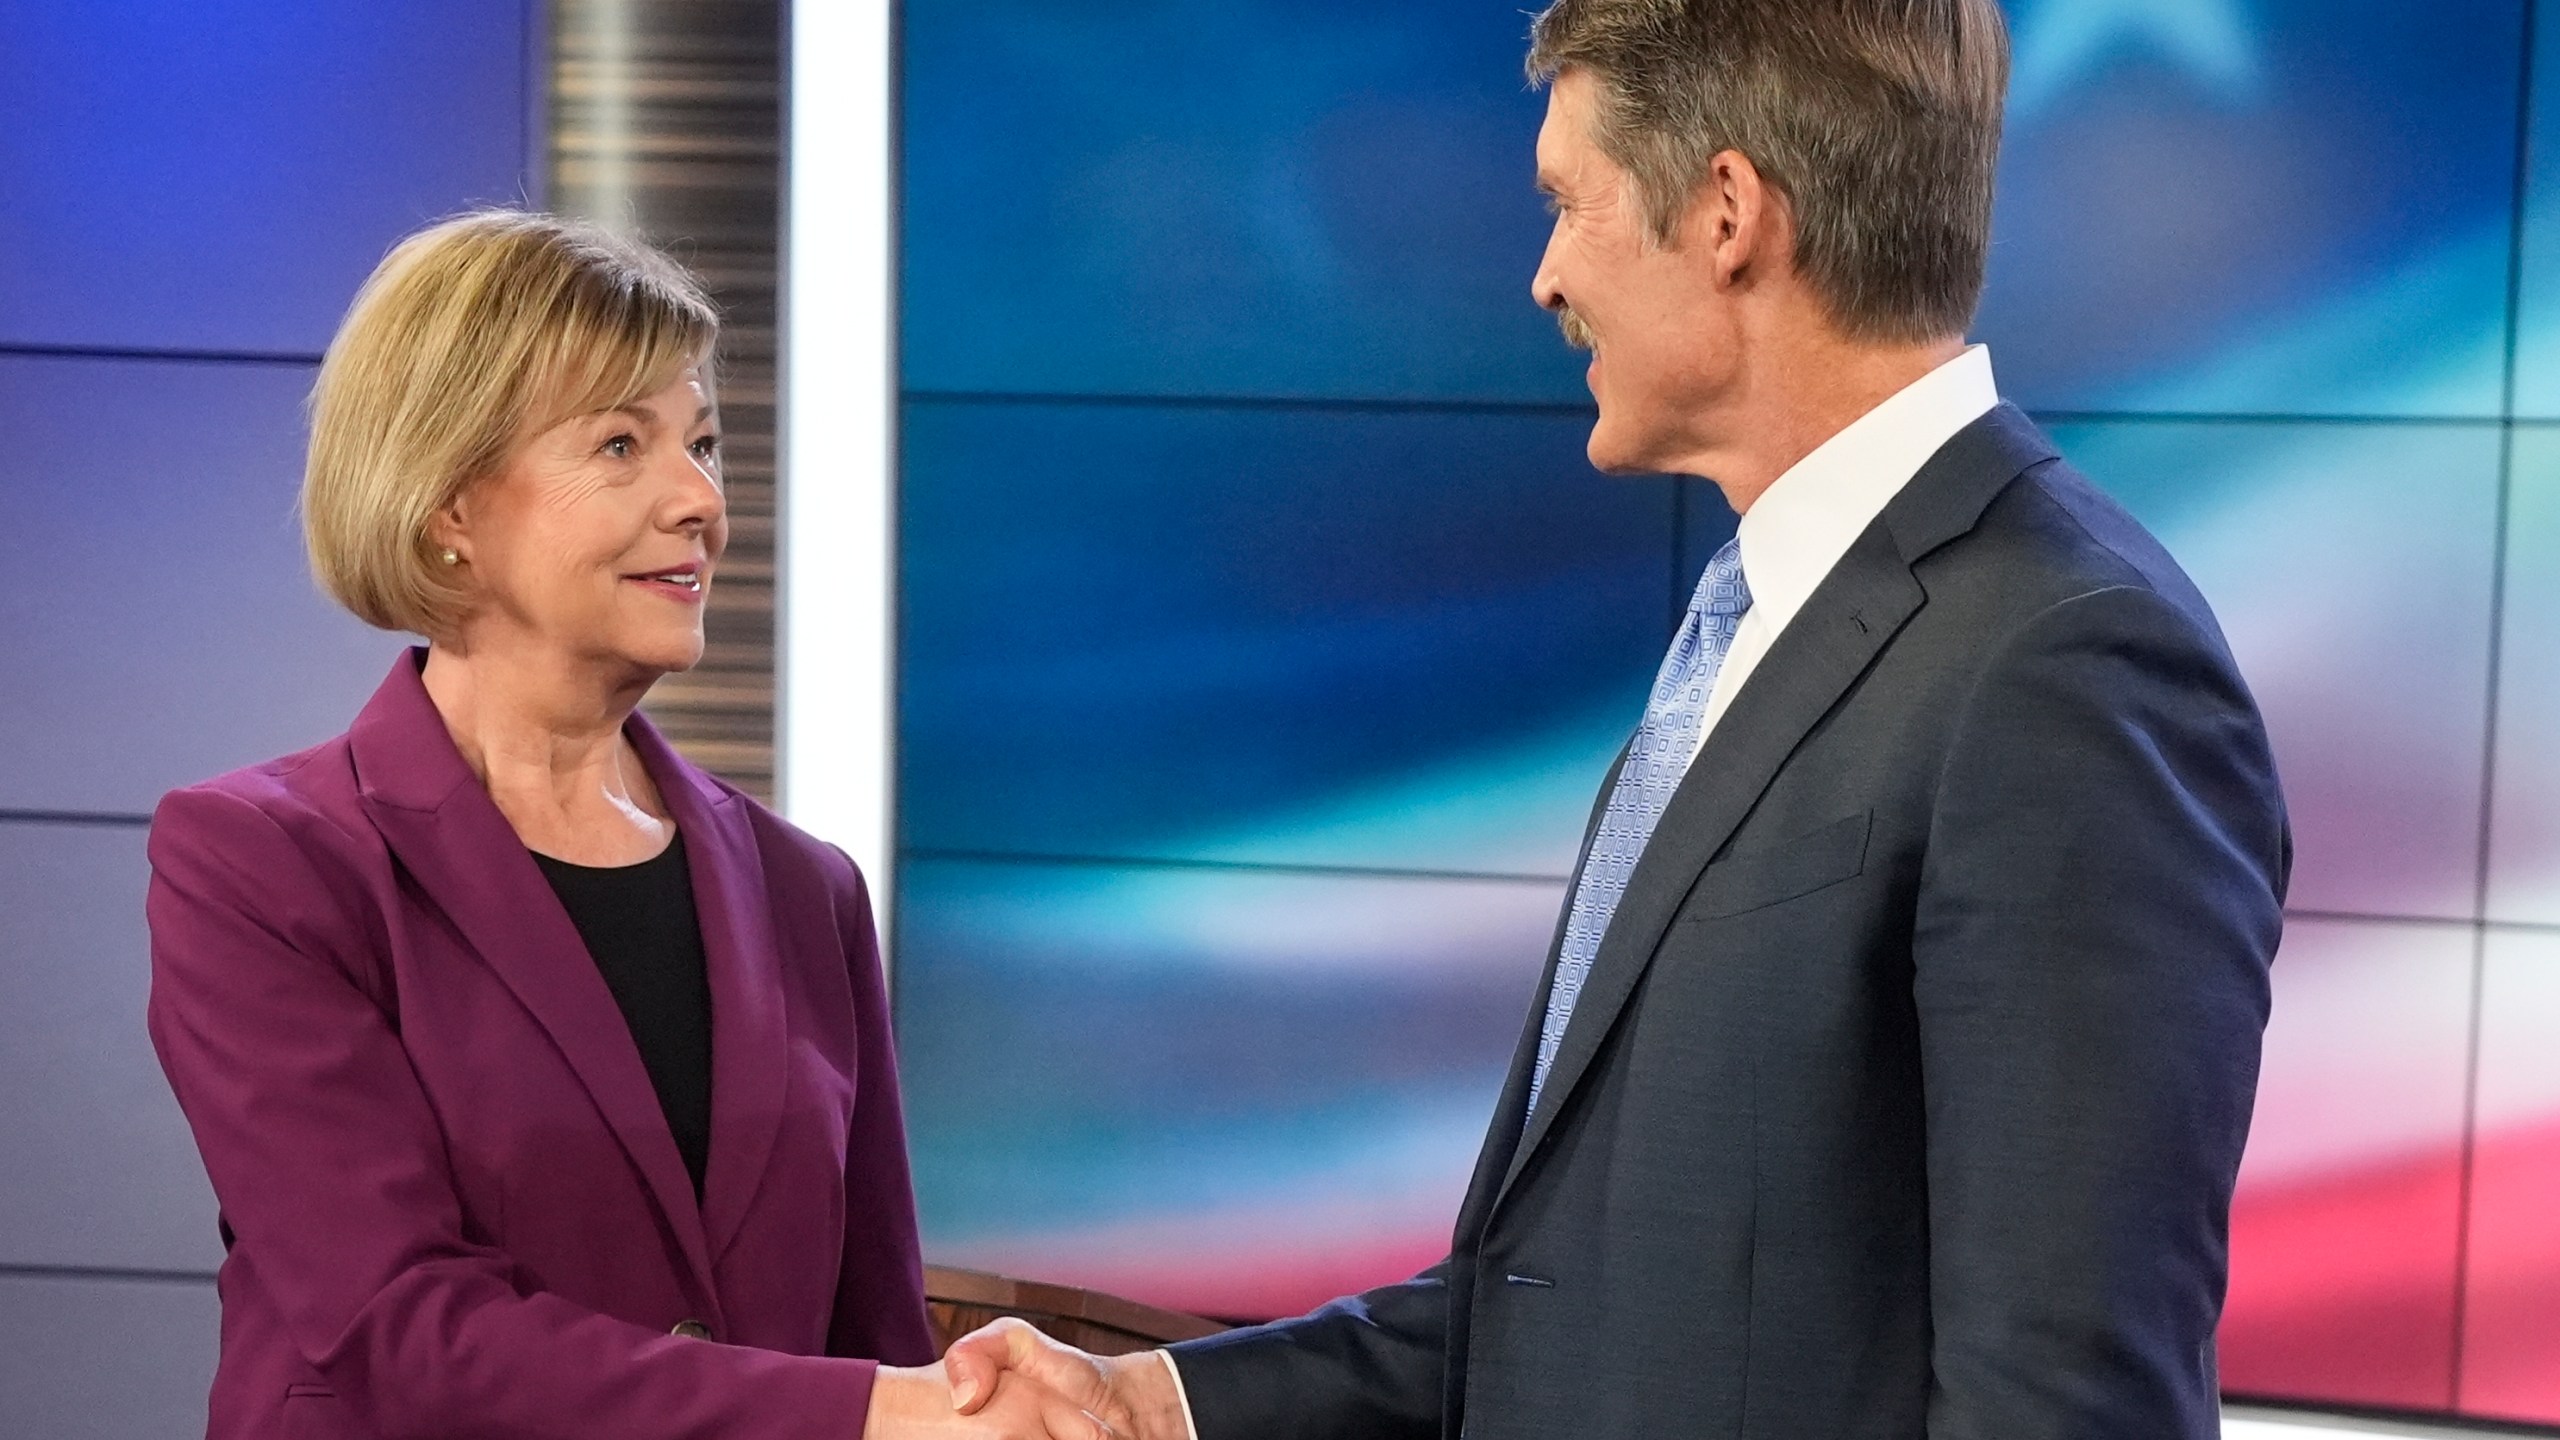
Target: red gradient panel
[
  {"x": 2511, "y": 1334},
  {"x": 2511, "y": 1350},
  {"x": 2342, "y": 1288},
  {"x": 2346, "y": 1230}
]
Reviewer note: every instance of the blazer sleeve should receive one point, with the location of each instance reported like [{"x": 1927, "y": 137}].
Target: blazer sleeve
[
  {"x": 1368, "y": 1367},
  {"x": 880, "y": 1311},
  {"x": 330, "y": 1166},
  {"x": 2100, "y": 901}
]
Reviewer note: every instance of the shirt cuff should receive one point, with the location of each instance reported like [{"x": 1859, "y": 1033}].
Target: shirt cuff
[{"x": 1182, "y": 1397}]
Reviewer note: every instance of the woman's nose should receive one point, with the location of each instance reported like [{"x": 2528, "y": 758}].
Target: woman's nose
[{"x": 698, "y": 498}]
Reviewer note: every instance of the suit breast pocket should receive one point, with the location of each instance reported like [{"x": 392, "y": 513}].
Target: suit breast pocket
[{"x": 1757, "y": 879}]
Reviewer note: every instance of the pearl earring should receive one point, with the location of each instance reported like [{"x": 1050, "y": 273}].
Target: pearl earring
[{"x": 450, "y": 558}]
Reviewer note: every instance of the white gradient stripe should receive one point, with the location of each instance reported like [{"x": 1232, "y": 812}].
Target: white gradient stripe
[
  {"x": 2239, "y": 1423},
  {"x": 836, "y": 598}
]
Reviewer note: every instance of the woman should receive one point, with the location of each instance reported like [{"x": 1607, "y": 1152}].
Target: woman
[{"x": 545, "y": 1081}]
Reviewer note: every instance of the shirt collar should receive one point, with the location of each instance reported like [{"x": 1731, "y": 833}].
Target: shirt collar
[{"x": 1800, "y": 526}]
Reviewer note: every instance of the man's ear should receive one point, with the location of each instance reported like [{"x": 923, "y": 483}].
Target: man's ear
[{"x": 1736, "y": 218}]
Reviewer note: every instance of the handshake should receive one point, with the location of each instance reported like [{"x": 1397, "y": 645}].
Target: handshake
[{"x": 1007, "y": 1381}]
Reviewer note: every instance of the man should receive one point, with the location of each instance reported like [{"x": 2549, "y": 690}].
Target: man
[{"x": 1894, "y": 1061}]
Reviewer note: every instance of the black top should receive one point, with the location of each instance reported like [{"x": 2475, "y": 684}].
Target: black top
[{"x": 639, "y": 924}]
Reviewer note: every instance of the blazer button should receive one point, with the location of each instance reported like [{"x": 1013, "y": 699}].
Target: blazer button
[{"x": 691, "y": 1330}]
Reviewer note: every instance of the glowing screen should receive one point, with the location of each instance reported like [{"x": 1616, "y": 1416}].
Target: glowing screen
[{"x": 1265, "y": 634}]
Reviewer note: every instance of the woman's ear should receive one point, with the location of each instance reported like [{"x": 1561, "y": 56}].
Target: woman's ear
[{"x": 449, "y": 532}]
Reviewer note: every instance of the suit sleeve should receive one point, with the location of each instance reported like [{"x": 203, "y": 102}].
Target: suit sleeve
[
  {"x": 880, "y": 1310},
  {"x": 1368, "y": 1367},
  {"x": 331, "y": 1170},
  {"x": 2100, "y": 901}
]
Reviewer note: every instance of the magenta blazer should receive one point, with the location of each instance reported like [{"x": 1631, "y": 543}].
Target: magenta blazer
[{"x": 451, "y": 1203}]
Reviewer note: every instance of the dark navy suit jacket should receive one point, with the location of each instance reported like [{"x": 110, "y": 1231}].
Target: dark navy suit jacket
[{"x": 1908, "y": 1088}]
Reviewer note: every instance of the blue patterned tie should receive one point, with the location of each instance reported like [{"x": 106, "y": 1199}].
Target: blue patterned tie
[{"x": 1655, "y": 762}]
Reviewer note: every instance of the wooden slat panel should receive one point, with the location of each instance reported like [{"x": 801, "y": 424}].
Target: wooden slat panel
[{"x": 666, "y": 120}]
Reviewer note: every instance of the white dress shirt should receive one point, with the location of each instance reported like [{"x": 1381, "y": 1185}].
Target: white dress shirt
[{"x": 1800, "y": 526}]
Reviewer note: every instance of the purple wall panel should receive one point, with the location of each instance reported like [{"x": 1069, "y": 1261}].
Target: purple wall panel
[
  {"x": 166, "y": 629},
  {"x": 104, "y": 1359},
  {"x": 196, "y": 178},
  {"x": 222, "y": 176},
  {"x": 103, "y": 1172}
]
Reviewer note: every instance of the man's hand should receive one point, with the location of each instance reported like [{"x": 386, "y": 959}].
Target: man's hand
[
  {"x": 915, "y": 1403},
  {"x": 1134, "y": 1395}
]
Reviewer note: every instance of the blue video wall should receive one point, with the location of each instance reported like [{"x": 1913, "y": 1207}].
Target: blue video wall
[{"x": 1266, "y": 633}]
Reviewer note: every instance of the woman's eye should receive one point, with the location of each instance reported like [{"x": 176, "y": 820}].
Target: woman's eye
[
  {"x": 706, "y": 447},
  {"x": 620, "y": 447}
]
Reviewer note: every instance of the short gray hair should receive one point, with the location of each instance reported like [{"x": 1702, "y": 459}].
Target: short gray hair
[{"x": 1878, "y": 120}]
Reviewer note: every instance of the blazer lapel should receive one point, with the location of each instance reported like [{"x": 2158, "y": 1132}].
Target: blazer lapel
[
  {"x": 749, "y": 1035},
  {"x": 1850, "y": 618},
  {"x": 447, "y": 833}
]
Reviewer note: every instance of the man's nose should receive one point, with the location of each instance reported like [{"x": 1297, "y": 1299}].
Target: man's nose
[
  {"x": 1545, "y": 285},
  {"x": 1546, "y": 289}
]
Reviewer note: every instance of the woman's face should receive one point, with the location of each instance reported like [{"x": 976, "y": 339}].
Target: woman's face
[{"x": 599, "y": 535}]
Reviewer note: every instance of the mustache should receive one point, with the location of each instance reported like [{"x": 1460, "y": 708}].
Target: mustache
[{"x": 1576, "y": 333}]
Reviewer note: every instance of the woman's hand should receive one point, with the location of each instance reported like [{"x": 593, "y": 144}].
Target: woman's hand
[
  {"x": 914, "y": 1403},
  {"x": 1135, "y": 1396}
]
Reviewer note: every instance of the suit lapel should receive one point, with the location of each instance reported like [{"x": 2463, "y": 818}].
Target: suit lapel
[
  {"x": 1494, "y": 1160},
  {"x": 448, "y": 834},
  {"x": 1847, "y": 622},
  {"x": 1822, "y": 652},
  {"x": 749, "y": 1037}
]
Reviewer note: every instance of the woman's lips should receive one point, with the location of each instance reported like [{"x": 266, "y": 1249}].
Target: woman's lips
[{"x": 685, "y": 583}]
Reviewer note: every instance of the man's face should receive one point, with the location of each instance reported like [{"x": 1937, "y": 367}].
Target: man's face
[{"x": 1661, "y": 334}]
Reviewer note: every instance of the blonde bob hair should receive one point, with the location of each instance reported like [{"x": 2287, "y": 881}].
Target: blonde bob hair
[{"x": 471, "y": 336}]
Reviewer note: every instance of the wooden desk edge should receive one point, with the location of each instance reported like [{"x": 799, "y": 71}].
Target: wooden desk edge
[{"x": 951, "y": 1285}]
